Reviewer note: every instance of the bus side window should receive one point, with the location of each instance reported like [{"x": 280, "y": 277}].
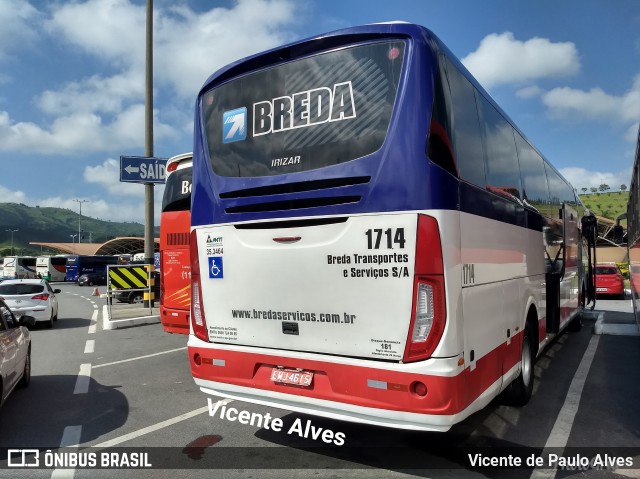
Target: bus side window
[
  {"x": 467, "y": 137},
  {"x": 439, "y": 147},
  {"x": 502, "y": 169},
  {"x": 535, "y": 191}
]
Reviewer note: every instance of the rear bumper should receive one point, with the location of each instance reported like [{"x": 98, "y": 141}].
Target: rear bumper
[
  {"x": 352, "y": 390},
  {"x": 610, "y": 289},
  {"x": 174, "y": 320},
  {"x": 40, "y": 314}
]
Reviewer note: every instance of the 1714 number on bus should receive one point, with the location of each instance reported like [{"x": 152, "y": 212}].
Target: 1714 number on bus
[{"x": 378, "y": 237}]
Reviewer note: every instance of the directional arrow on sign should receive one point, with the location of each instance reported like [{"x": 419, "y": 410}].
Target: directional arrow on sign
[{"x": 132, "y": 169}]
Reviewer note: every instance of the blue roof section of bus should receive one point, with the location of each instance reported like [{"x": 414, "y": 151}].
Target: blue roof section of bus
[{"x": 317, "y": 43}]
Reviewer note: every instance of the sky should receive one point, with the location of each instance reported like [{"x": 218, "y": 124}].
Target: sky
[{"x": 72, "y": 81}]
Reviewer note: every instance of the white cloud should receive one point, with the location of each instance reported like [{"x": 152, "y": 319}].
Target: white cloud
[
  {"x": 565, "y": 102},
  {"x": 16, "y": 20},
  {"x": 107, "y": 175},
  {"x": 111, "y": 30},
  {"x": 94, "y": 94},
  {"x": 502, "y": 59},
  {"x": 10, "y": 196},
  {"x": 595, "y": 103},
  {"x": 80, "y": 132},
  {"x": 191, "y": 46},
  {"x": 104, "y": 112},
  {"x": 188, "y": 46},
  {"x": 529, "y": 92},
  {"x": 582, "y": 178}
]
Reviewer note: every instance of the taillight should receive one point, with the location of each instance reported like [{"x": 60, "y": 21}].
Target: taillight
[
  {"x": 618, "y": 277},
  {"x": 41, "y": 297},
  {"x": 198, "y": 322},
  {"x": 428, "y": 316}
]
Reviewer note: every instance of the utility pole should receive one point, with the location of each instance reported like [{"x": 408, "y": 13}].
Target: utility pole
[
  {"x": 149, "y": 240},
  {"x": 11, "y": 231},
  {"x": 149, "y": 237},
  {"x": 79, "y": 217}
]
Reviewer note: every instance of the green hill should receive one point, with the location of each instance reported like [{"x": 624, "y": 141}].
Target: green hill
[
  {"x": 610, "y": 204},
  {"x": 54, "y": 225}
]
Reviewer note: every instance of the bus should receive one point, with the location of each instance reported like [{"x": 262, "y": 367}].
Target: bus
[
  {"x": 51, "y": 268},
  {"x": 20, "y": 267},
  {"x": 633, "y": 232},
  {"x": 175, "y": 267},
  {"x": 373, "y": 239},
  {"x": 77, "y": 265}
]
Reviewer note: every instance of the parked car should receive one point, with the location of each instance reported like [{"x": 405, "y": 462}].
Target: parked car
[
  {"x": 608, "y": 280},
  {"x": 137, "y": 296},
  {"x": 91, "y": 279},
  {"x": 15, "y": 351},
  {"x": 33, "y": 297}
]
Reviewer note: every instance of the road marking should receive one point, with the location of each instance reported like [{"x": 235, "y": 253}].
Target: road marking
[
  {"x": 105, "y": 317},
  {"x": 564, "y": 422},
  {"x": 139, "y": 357},
  {"x": 94, "y": 322},
  {"x": 70, "y": 439},
  {"x": 84, "y": 378},
  {"x": 89, "y": 346},
  {"x": 155, "y": 427}
]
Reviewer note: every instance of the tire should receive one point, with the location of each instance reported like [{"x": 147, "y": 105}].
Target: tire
[
  {"x": 519, "y": 392},
  {"x": 50, "y": 322},
  {"x": 136, "y": 299},
  {"x": 576, "y": 324},
  {"x": 25, "y": 380}
]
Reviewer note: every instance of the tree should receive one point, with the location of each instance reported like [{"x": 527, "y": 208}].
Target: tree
[
  {"x": 594, "y": 189},
  {"x": 623, "y": 187},
  {"x": 584, "y": 190},
  {"x": 604, "y": 187}
]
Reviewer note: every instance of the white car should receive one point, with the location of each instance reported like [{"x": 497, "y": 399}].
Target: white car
[
  {"x": 32, "y": 297},
  {"x": 15, "y": 351}
]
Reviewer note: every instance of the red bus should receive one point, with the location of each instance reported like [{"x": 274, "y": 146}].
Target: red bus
[{"x": 175, "y": 270}]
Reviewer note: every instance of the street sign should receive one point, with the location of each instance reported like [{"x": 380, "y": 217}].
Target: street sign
[{"x": 142, "y": 169}]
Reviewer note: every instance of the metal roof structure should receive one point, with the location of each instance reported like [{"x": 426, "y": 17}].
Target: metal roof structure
[{"x": 123, "y": 245}]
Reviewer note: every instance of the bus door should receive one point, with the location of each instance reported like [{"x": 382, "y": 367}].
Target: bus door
[
  {"x": 590, "y": 234},
  {"x": 554, "y": 243},
  {"x": 562, "y": 249}
]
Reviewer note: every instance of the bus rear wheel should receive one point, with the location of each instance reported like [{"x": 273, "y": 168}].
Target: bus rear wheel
[{"x": 520, "y": 390}]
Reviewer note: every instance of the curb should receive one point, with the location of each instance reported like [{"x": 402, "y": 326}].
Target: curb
[
  {"x": 127, "y": 323},
  {"x": 614, "y": 329}
]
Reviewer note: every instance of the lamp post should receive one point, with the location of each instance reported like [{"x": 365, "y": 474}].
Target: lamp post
[
  {"x": 79, "y": 217},
  {"x": 73, "y": 238},
  {"x": 11, "y": 231}
]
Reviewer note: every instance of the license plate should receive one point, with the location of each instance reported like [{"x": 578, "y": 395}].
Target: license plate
[
  {"x": 601, "y": 290},
  {"x": 290, "y": 376}
]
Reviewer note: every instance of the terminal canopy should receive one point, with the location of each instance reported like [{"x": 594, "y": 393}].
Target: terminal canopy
[{"x": 124, "y": 245}]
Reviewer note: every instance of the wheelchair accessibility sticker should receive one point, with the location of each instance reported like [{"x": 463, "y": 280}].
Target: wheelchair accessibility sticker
[{"x": 215, "y": 267}]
